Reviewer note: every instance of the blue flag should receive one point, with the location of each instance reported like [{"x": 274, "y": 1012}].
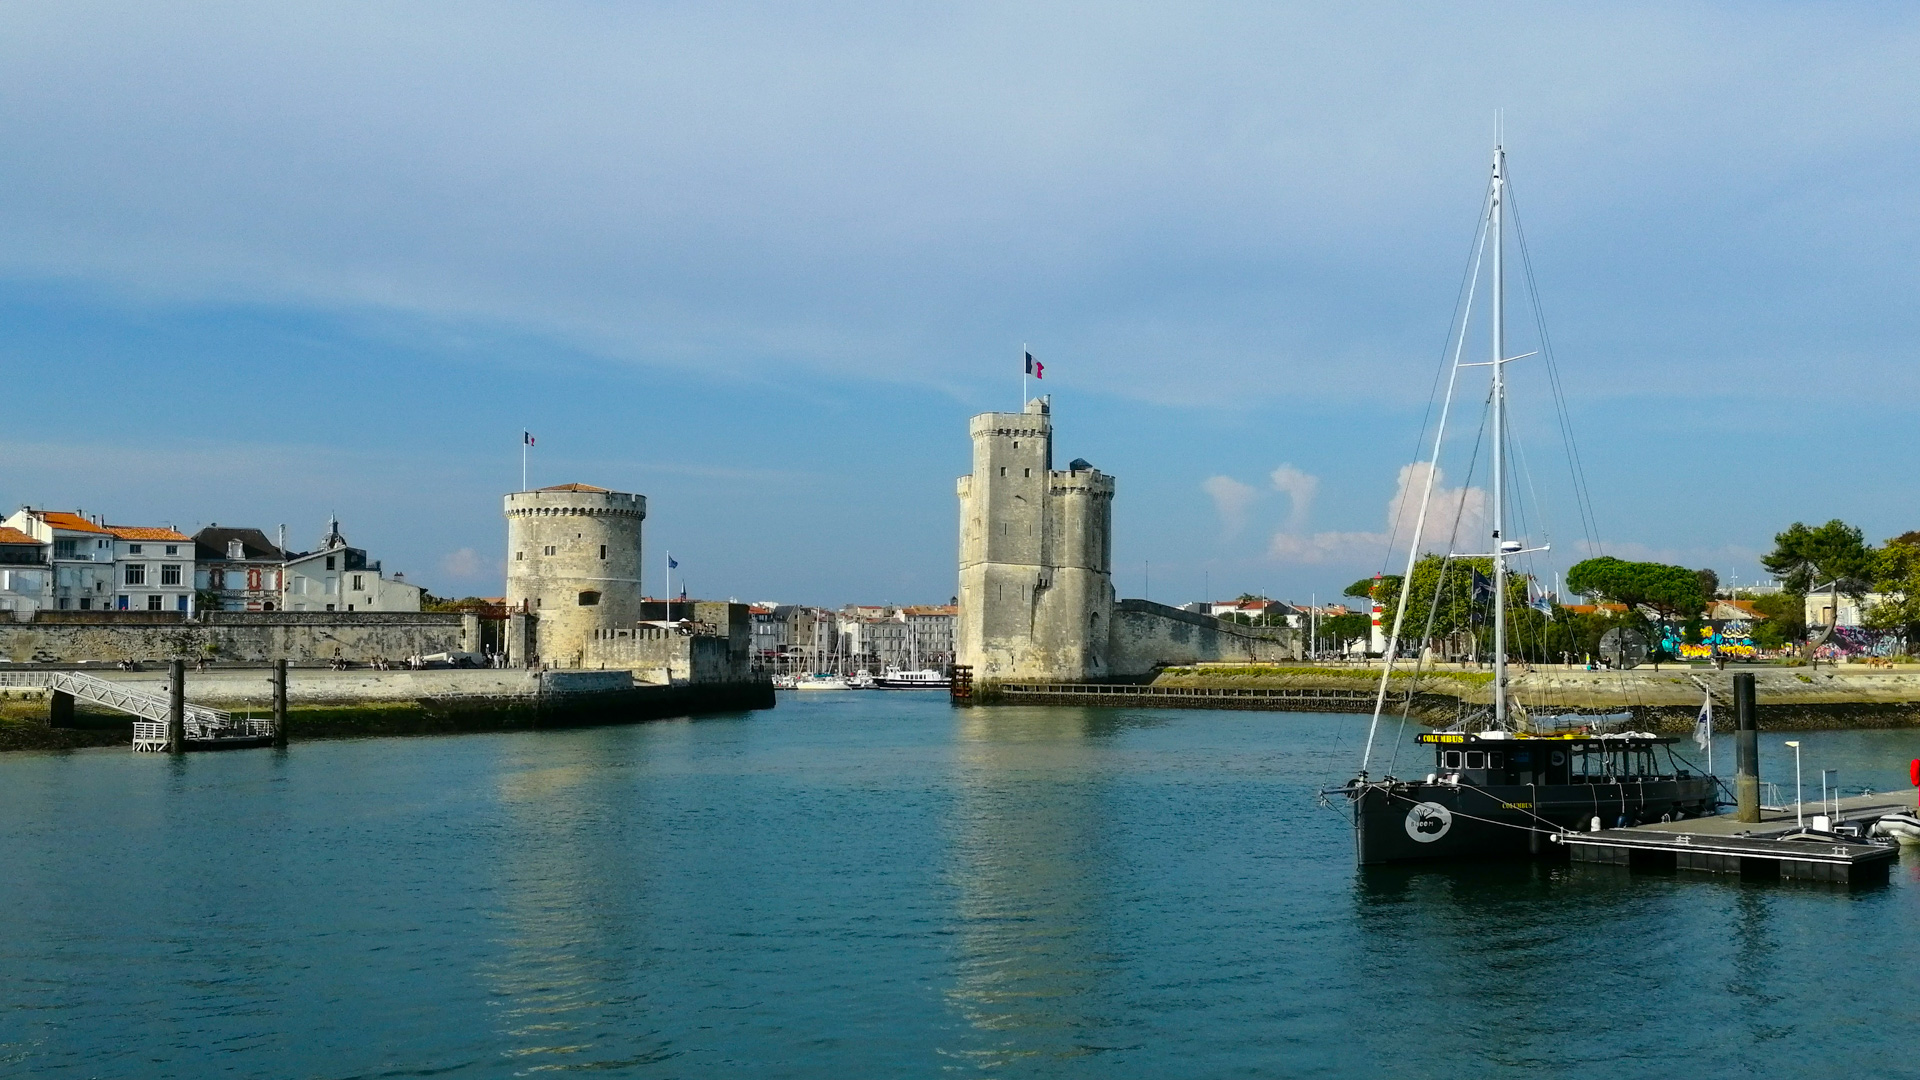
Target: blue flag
[{"x": 672, "y": 564}]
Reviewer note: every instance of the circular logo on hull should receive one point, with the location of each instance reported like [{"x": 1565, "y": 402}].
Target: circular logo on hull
[{"x": 1428, "y": 821}]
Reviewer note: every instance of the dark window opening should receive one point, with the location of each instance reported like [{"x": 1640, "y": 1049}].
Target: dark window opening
[{"x": 588, "y": 599}]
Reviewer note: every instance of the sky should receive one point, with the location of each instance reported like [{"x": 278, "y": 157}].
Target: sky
[{"x": 265, "y": 264}]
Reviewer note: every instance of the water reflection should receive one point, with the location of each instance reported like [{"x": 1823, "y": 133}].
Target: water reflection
[
  {"x": 1027, "y": 847},
  {"x": 569, "y": 907}
]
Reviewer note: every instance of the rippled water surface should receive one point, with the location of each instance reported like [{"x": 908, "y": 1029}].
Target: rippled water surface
[{"x": 870, "y": 885}]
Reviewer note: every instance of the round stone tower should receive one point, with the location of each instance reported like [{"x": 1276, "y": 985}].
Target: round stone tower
[{"x": 573, "y": 564}]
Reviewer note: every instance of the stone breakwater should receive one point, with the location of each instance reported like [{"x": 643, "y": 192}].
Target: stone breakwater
[
  {"x": 325, "y": 703},
  {"x": 1665, "y": 700}
]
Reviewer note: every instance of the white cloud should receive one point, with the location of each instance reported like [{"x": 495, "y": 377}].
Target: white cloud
[
  {"x": 1456, "y": 521},
  {"x": 1326, "y": 547},
  {"x": 464, "y": 563},
  {"x": 1300, "y": 487},
  {"x": 1231, "y": 498}
]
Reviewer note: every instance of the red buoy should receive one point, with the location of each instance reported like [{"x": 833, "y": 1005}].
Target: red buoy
[{"x": 1914, "y": 771}]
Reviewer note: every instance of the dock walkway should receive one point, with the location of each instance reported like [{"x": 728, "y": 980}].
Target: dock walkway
[{"x": 1724, "y": 844}]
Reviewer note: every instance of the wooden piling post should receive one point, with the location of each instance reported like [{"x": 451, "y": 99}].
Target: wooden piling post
[
  {"x": 280, "y": 703},
  {"x": 1746, "y": 750},
  {"x": 177, "y": 707}
]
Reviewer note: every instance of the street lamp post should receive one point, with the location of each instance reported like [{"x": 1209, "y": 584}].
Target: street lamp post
[{"x": 1799, "y": 820}]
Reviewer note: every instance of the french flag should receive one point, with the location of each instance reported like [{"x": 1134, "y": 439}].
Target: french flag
[
  {"x": 526, "y": 437},
  {"x": 1035, "y": 368}
]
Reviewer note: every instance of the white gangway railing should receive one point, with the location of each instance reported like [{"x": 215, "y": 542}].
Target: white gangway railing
[{"x": 149, "y": 710}]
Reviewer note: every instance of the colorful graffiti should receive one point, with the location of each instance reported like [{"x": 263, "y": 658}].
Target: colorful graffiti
[
  {"x": 1850, "y": 641},
  {"x": 1731, "y": 638}
]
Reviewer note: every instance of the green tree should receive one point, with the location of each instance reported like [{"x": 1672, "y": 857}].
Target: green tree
[
  {"x": 1896, "y": 574},
  {"x": 1837, "y": 552},
  {"x": 1671, "y": 591},
  {"x": 1341, "y": 631},
  {"x": 1709, "y": 583},
  {"x": 1785, "y": 619}
]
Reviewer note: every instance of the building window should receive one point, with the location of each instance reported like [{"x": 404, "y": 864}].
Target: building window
[
  {"x": 180, "y": 603},
  {"x": 356, "y": 582},
  {"x": 588, "y": 599},
  {"x": 519, "y": 556},
  {"x": 86, "y": 603},
  {"x": 603, "y": 551},
  {"x": 153, "y": 602},
  {"x": 170, "y": 574},
  {"x": 1028, "y": 473},
  {"x": 173, "y": 549},
  {"x": 329, "y": 607},
  {"x": 1003, "y": 470},
  {"x": 330, "y": 565},
  {"x": 548, "y": 550},
  {"x": 133, "y": 549},
  {"x": 349, "y": 607},
  {"x": 235, "y": 550},
  {"x": 136, "y": 574}
]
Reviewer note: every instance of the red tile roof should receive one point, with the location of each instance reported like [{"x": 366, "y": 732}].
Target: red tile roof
[
  {"x": 60, "y": 519},
  {"x": 15, "y": 536},
  {"x": 148, "y": 532}
]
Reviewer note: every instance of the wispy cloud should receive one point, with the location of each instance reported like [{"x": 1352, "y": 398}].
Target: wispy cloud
[
  {"x": 1456, "y": 520},
  {"x": 1300, "y": 487},
  {"x": 1231, "y": 499}
]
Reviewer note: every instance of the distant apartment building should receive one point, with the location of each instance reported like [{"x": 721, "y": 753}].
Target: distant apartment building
[
  {"x": 769, "y": 633},
  {"x": 152, "y": 568},
  {"x": 25, "y": 574},
  {"x": 874, "y": 638},
  {"x": 812, "y": 637},
  {"x": 238, "y": 569},
  {"x": 930, "y": 635},
  {"x": 80, "y": 559},
  {"x": 338, "y": 577}
]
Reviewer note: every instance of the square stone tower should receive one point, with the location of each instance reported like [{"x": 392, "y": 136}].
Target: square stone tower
[{"x": 1036, "y": 556}]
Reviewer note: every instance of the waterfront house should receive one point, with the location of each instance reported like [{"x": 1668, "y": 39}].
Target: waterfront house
[
  {"x": 81, "y": 558},
  {"x": 239, "y": 569},
  {"x": 152, "y": 568},
  {"x": 25, "y": 575},
  {"x": 339, "y": 577}
]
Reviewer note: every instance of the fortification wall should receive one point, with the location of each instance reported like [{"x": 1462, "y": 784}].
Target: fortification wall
[
  {"x": 664, "y": 655},
  {"x": 73, "y": 637},
  {"x": 1147, "y": 635}
]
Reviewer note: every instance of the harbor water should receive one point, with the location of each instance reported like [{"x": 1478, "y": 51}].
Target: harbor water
[{"x": 869, "y": 885}]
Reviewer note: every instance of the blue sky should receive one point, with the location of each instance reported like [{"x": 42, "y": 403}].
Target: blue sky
[{"x": 260, "y": 264}]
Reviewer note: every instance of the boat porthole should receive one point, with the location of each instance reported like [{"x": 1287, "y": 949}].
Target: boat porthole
[{"x": 1559, "y": 758}]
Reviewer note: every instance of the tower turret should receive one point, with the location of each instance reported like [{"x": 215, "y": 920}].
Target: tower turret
[{"x": 573, "y": 564}]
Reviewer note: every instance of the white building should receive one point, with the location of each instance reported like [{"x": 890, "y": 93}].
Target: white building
[
  {"x": 1820, "y": 608},
  {"x": 929, "y": 636},
  {"x": 239, "y": 569},
  {"x": 337, "y": 577},
  {"x": 82, "y": 576},
  {"x": 25, "y": 576},
  {"x": 152, "y": 569}
]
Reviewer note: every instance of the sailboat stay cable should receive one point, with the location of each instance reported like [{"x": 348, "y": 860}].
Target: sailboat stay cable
[
  {"x": 1456, "y": 329},
  {"x": 1420, "y": 520},
  {"x": 1583, "y": 495}
]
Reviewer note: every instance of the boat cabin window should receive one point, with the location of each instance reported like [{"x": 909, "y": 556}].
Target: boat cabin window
[
  {"x": 1450, "y": 759},
  {"x": 1476, "y": 759}
]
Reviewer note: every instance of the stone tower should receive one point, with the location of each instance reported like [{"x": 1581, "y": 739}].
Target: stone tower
[
  {"x": 573, "y": 565},
  {"x": 1036, "y": 581}
]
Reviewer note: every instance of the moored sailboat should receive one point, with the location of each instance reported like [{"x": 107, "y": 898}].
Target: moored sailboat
[{"x": 1502, "y": 784}]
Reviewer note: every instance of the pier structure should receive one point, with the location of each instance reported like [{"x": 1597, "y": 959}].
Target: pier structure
[
  {"x": 573, "y": 570},
  {"x": 1772, "y": 846}
]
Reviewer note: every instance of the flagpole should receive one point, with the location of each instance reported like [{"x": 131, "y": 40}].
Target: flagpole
[
  {"x": 523, "y": 460},
  {"x": 1023, "y": 376}
]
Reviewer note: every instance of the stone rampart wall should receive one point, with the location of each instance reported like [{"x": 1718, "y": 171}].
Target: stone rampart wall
[
  {"x": 301, "y": 637},
  {"x": 1147, "y": 635},
  {"x": 663, "y": 655}
]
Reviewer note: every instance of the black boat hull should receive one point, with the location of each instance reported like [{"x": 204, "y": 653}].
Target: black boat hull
[{"x": 1407, "y": 822}]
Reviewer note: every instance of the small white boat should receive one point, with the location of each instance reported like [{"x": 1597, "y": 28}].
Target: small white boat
[
  {"x": 819, "y": 682},
  {"x": 924, "y": 679},
  {"x": 860, "y": 680},
  {"x": 783, "y": 682},
  {"x": 1904, "y": 827}
]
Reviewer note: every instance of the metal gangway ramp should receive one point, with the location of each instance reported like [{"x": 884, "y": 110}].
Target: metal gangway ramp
[{"x": 148, "y": 710}]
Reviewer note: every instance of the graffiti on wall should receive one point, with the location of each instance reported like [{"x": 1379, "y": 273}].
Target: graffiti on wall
[
  {"x": 1731, "y": 638},
  {"x": 1848, "y": 641}
]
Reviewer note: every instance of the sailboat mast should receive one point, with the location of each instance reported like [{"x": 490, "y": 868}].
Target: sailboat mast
[{"x": 1499, "y": 440}]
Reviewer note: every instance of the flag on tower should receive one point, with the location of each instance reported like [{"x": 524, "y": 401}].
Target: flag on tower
[
  {"x": 673, "y": 563},
  {"x": 526, "y": 437},
  {"x": 1035, "y": 368}
]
